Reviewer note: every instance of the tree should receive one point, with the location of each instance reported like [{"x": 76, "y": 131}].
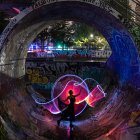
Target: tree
[{"x": 69, "y": 33}]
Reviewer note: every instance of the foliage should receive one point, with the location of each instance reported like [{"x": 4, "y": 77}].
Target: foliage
[
  {"x": 129, "y": 22},
  {"x": 69, "y": 33},
  {"x": 3, "y": 133},
  {"x": 135, "y": 31},
  {"x": 133, "y": 28}
]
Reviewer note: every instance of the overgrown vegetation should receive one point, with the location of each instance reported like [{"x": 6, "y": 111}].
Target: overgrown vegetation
[{"x": 3, "y": 133}]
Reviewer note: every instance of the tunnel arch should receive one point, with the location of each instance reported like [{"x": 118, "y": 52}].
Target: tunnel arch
[{"x": 124, "y": 61}]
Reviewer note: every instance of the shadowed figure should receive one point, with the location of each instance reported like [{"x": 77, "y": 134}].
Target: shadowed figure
[{"x": 69, "y": 111}]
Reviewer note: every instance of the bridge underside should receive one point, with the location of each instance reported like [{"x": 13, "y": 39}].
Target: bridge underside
[{"x": 19, "y": 112}]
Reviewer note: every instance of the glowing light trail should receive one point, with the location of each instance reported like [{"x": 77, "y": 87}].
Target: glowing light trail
[{"x": 76, "y": 84}]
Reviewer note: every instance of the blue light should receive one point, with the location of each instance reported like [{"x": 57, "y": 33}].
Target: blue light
[{"x": 34, "y": 48}]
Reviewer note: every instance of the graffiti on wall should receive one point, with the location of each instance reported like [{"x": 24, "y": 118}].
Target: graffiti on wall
[
  {"x": 44, "y": 73},
  {"x": 36, "y": 75}
]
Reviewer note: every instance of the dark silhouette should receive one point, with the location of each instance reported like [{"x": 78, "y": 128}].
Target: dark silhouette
[{"x": 69, "y": 111}]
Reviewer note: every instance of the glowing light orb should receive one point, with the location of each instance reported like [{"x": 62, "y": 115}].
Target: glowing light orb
[{"x": 66, "y": 83}]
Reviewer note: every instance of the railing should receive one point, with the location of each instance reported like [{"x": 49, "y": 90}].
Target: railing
[{"x": 125, "y": 9}]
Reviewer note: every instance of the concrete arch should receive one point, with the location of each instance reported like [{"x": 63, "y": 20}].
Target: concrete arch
[{"x": 124, "y": 60}]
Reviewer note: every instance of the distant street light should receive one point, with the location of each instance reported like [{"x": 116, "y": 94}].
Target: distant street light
[{"x": 91, "y": 35}]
